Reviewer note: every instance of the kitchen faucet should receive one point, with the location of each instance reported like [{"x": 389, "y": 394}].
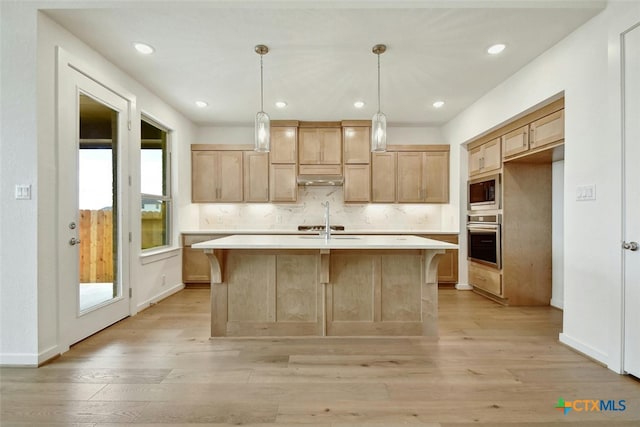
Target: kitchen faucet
[{"x": 327, "y": 227}]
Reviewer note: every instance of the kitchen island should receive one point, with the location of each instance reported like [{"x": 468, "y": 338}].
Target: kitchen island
[{"x": 306, "y": 285}]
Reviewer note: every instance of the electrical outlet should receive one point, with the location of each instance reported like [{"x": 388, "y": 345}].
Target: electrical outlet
[{"x": 164, "y": 280}]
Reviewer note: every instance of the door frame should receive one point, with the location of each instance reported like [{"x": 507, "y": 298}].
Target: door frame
[
  {"x": 66, "y": 65},
  {"x": 624, "y": 173}
]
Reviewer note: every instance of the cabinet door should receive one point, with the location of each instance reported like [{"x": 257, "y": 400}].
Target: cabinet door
[
  {"x": 515, "y": 142},
  {"x": 448, "y": 265},
  {"x": 331, "y": 146},
  {"x": 195, "y": 266},
  {"x": 283, "y": 185},
  {"x": 383, "y": 177},
  {"x": 204, "y": 183},
  {"x": 489, "y": 280},
  {"x": 284, "y": 145},
  {"x": 356, "y": 183},
  {"x": 256, "y": 177},
  {"x": 547, "y": 130},
  {"x": 309, "y": 146},
  {"x": 411, "y": 177},
  {"x": 356, "y": 144},
  {"x": 491, "y": 158},
  {"x": 437, "y": 177},
  {"x": 475, "y": 160},
  {"x": 229, "y": 176}
]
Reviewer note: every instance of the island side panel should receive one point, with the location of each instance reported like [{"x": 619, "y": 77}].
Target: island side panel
[
  {"x": 370, "y": 293},
  {"x": 218, "y": 293},
  {"x": 429, "y": 297},
  {"x": 273, "y": 292}
]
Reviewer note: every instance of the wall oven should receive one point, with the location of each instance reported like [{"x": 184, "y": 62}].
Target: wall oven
[
  {"x": 484, "y": 193},
  {"x": 483, "y": 239}
]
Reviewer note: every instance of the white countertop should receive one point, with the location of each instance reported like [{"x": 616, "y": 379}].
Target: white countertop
[
  {"x": 292, "y": 231},
  {"x": 271, "y": 241}
]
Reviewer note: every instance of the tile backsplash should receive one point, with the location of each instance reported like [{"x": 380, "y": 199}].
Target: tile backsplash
[{"x": 268, "y": 216}]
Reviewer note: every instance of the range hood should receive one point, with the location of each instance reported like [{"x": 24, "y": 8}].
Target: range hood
[{"x": 321, "y": 180}]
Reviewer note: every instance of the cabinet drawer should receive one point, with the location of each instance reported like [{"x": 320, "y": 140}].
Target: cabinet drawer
[{"x": 486, "y": 279}]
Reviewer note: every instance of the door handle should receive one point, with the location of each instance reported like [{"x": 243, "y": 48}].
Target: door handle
[
  {"x": 631, "y": 246},
  {"x": 73, "y": 241}
]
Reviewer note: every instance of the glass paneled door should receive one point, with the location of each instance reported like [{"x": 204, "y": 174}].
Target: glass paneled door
[
  {"x": 97, "y": 202},
  {"x": 93, "y": 194}
]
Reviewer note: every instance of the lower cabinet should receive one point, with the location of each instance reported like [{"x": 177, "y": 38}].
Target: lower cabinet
[
  {"x": 195, "y": 264},
  {"x": 486, "y": 278},
  {"x": 448, "y": 265}
]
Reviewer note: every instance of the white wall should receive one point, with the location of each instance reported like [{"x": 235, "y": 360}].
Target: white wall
[
  {"x": 586, "y": 67},
  {"x": 19, "y": 239},
  {"x": 28, "y": 270}
]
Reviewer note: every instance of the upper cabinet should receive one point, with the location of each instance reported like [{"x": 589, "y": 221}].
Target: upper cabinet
[
  {"x": 357, "y": 144},
  {"x": 423, "y": 177},
  {"x": 383, "y": 177},
  {"x": 283, "y": 187},
  {"x": 515, "y": 142},
  {"x": 547, "y": 130},
  {"x": 410, "y": 174},
  {"x": 216, "y": 174},
  {"x": 256, "y": 176},
  {"x": 284, "y": 144},
  {"x": 320, "y": 145},
  {"x": 485, "y": 157},
  {"x": 356, "y": 155}
]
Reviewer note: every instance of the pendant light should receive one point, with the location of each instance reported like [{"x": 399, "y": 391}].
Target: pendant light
[
  {"x": 379, "y": 121},
  {"x": 263, "y": 124}
]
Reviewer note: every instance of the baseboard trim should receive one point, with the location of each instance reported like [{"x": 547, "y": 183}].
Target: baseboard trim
[
  {"x": 28, "y": 360},
  {"x": 583, "y": 349},
  {"x": 48, "y": 354},
  {"x": 464, "y": 287},
  {"x": 162, "y": 295},
  {"x": 557, "y": 303}
]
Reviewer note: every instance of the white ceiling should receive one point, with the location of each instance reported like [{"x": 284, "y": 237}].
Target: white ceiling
[{"x": 320, "y": 58}]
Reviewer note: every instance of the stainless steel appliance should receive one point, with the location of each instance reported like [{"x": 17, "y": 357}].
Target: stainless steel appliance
[
  {"x": 484, "y": 193},
  {"x": 483, "y": 239}
]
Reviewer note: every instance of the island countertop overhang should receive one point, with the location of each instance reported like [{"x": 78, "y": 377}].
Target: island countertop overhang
[{"x": 273, "y": 241}]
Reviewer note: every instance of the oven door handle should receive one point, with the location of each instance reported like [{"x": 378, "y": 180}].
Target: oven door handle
[{"x": 482, "y": 227}]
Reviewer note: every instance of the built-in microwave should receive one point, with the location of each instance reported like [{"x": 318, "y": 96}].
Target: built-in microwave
[{"x": 484, "y": 193}]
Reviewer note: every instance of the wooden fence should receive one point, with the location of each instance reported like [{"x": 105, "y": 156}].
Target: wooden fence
[{"x": 96, "y": 246}]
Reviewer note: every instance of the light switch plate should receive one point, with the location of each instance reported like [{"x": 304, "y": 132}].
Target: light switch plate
[
  {"x": 23, "y": 191},
  {"x": 586, "y": 192}
]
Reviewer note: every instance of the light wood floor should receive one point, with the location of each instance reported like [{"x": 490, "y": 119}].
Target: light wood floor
[{"x": 493, "y": 366}]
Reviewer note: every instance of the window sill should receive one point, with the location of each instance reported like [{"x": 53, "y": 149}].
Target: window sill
[{"x": 151, "y": 256}]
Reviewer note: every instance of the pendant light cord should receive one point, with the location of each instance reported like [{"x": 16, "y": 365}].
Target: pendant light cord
[
  {"x": 261, "y": 85},
  {"x": 378, "y": 82}
]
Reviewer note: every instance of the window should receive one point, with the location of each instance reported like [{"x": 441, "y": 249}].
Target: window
[{"x": 155, "y": 186}]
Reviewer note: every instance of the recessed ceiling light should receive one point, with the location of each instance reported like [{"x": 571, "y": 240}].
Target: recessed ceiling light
[
  {"x": 358, "y": 104},
  {"x": 144, "y": 48},
  {"x": 496, "y": 49},
  {"x": 281, "y": 104},
  {"x": 202, "y": 104},
  {"x": 438, "y": 104}
]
